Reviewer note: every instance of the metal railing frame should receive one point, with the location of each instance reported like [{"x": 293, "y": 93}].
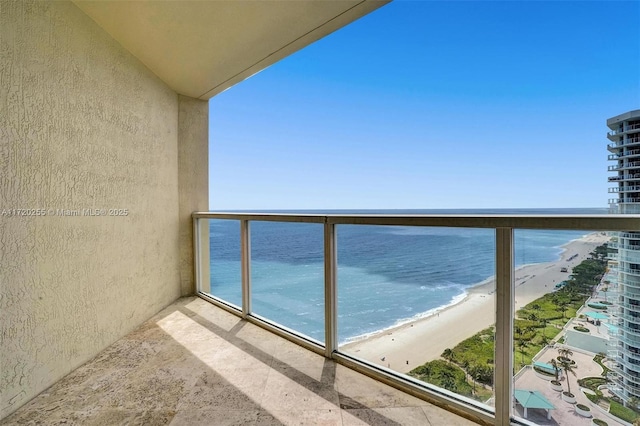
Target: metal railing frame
[{"x": 504, "y": 226}]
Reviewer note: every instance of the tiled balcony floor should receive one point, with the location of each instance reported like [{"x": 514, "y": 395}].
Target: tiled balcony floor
[{"x": 195, "y": 364}]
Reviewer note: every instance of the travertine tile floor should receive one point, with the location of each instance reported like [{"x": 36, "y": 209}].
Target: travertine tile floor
[{"x": 195, "y": 364}]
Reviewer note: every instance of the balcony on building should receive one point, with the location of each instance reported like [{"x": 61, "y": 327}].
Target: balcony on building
[{"x": 102, "y": 319}]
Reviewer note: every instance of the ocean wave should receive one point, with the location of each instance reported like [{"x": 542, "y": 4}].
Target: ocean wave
[{"x": 454, "y": 301}]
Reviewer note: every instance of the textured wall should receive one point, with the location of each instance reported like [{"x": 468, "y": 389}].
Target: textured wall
[
  {"x": 193, "y": 168},
  {"x": 83, "y": 125}
]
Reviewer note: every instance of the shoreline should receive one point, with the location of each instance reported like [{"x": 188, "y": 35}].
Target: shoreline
[{"x": 412, "y": 343}]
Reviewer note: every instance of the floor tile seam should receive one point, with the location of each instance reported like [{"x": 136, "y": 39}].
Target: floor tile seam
[
  {"x": 263, "y": 393},
  {"x": 424, "y": 413},
  {"x": 341, "y": 412},
  {"x": 424, "y": 410}
]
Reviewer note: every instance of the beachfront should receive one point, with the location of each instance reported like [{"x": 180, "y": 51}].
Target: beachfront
[{"x": 410, "y": 345}]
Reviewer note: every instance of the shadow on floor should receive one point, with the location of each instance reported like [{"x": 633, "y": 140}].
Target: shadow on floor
[{"x": 195, "y": 364}]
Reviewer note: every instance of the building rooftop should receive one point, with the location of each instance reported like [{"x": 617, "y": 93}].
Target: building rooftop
[{"x": 624, "y": 116}]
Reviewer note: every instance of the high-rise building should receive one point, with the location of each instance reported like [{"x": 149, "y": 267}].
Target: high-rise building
[{"x": 625, "y": 152}]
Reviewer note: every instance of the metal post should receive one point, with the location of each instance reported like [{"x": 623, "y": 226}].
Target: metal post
[
  {"x": 197, "y": 272},
  {"x": 330, "y": 289},
  {"x": 503, "y": 373},
  {"x": 245, "y": 262},
  {"x": 202, "y": 256}
]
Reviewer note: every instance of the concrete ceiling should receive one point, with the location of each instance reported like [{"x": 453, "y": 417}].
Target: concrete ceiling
[{"x": 200, "y": 48}]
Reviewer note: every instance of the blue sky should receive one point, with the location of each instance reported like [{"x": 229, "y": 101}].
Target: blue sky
[{"x": 434, "y": 105}]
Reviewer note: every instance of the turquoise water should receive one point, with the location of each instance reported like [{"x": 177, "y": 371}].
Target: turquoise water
[{"x": 387, "y": 275}]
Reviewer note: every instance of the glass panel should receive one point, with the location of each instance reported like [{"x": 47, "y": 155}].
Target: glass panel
[
  {"x": 564, "y": 311},
  {"x": 225, "y": 281},
  {"x": 420, "y": 301},
  {"x": 287, "y": 275}
]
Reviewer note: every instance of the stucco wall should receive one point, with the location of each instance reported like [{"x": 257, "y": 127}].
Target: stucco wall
[
  {"x": 193, "y": 167},
  {"x": 83, "y": 125}
]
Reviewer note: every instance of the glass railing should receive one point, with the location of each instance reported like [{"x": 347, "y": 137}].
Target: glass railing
[
  {"x": 465, "y": 310},
  {"x": 630, "y": 271},
  {"x": 623, "y": 166},
  {"x": 219, "y": 257},
  {"x": 625, "y": 189},
  {"x": 624, "y": 129}
]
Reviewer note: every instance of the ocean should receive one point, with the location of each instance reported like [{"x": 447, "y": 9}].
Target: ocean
[{"x": 387, "y": 275}]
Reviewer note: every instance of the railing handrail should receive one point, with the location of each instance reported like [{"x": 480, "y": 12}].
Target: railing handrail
[{"x": 586, "y": 222}]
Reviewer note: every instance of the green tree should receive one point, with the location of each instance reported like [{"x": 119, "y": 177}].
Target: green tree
[
  {"x": 522, "y": 344},
  {"x": 563, "y": 305},
  {"x": 465, "y": 367},
  {"x": 476, "y": 378},
  {"x": 517, "y": 330},
  {"x": 448, "y": 381},
  {"x": 543, "y": 338},
  {"x": 556, "y": 368},
  {"x": 565, "y": 352},
  {"x": 449, "y": 355},
  {"x": 568, "y": 367}
]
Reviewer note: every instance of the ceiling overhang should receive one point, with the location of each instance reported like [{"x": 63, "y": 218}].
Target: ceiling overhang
[{"x": 201, "y": 48}]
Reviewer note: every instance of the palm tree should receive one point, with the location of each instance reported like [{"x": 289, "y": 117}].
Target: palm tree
[
  {"x": 563, "y": 304},
  {"x": 565, "y": 353},
  {"x": 465, "y": 368},
  {"x": 521, "y": 345},
  {"x": 424, "y": 371},
  {"x": 449, "y": 355},
  {"x": 568, "y": 368},
  {"x": 448, "y": 381},
  {"x": 543, "y": 338},
  {"x": 556, "y": 367},
  {"x": 476, "y": 378}
]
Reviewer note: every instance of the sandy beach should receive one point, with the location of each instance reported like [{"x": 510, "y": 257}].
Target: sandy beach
[{"x": 410, "y": 345}]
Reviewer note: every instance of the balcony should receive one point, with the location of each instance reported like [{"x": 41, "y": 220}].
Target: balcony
[
  {"x": 623, "y": 130},
  {"x": 629, "y": 165},
  {"x": 628, "y": 370},
  {"x": 626, "y": 154},
  {"x": 194, "y": 363},
  {"x": 635, "y": 247},
  {"x": 630, "y": 318},
  {"x": 630, "y": 176},
  {"x": 630, "y": 271},
  {"x": 630, "y": 338},
  {"x": 618, "y": 189},
  {"x": 627, "y": 200},
  {"x": 630, "y": 256},
  {"x": 244, "y": 287},
  {"x": 632, "y": 287},
  {"x": 615, "y": 146},
  {"x": 74, "y": 287}
]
